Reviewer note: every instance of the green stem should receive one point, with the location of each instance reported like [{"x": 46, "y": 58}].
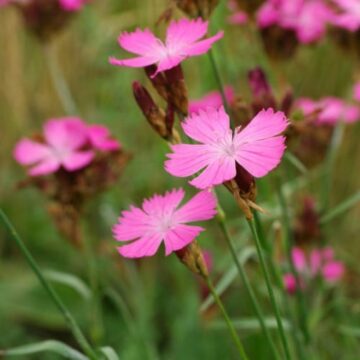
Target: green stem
[
  {"x": 230, "y": 325},
  {"x": 58, "y": 79},
  {"x": 247, "y": 284},
  {"x": 73, "y": 326},
  {"x": 302, "y": 313},
  {"x": 218, "y": 79},
  {"x": 269, "y": 288},
  {"x": 97, "y": 330}
]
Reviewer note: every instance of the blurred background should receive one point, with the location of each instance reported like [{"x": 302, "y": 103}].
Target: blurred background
[{"x": 151, "y": 307}]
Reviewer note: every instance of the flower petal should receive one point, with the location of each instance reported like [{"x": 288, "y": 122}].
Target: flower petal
[
  {"x": 65, "y": 134},
  {"x": 216, "y": 173},
  {"x": 258, "y": 149},
  {"x": 145, "y": 246},
  {"x": 28, "y": 152},
  {"x": 45, "y": 167},
  {"x": 187, "y": 159},
  {"x": 77, "y": 160},
  {"x": 132, "y": 224},
  {"x": 201, "y": 207},
  {"x": 333, "y": 271},
  {"x": 179, "y": 237},
  {"x": 208, "y": 125}
]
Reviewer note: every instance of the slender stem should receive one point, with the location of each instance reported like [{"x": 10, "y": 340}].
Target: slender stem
[
  {"x": 275, "y": 273},
  {"x": 302, "y": 313},
  {"x": 248, "y": 287},
  {"x": 230, "y": 325},
  {"x": 74, "y": 327},
  {"x": 218, "y": 79},
  {"x": 96, "y": 311},
  {"x": 58, "y": 79},
  {"x": 270, "y": 289}
]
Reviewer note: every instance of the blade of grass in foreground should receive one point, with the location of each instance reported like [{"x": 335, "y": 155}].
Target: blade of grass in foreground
[{"x": 73, "y": 326}]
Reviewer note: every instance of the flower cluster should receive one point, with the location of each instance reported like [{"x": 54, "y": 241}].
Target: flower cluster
[
  {"x": 319, "y": 263},
  {"x": 222, "y": 154}
]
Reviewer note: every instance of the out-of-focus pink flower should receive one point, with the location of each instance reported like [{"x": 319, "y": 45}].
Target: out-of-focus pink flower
[
  {"x": 68, "y": 143},
  {"x": 238, "y": 17},
  {"x": 182, "y": 41},
  {"x": 308, "y": 18},
  {"x": 356, "y": 91},
  {"x": 99, "y": 137},
  {"x": 290, "y": 283},
  {"x": 330, "y": 110},
  {"x": 67, "y": 5},
  {"x": 349, "y": 16},
  {"x": 62, "y": 147},
  {"x": 162, "y": 220},
  {"x": 72, "y": 5},
  {"x": 319, "y": 263},
  {"x": 258, "y": 148},
  {"x": 212, "y": 99}
]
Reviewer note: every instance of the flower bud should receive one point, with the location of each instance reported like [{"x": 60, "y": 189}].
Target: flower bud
[
  {"x": 154, "y": 115},
  {"x": 158, "y": 82},
  {"x": 177, "y": 91},
  {"x": 192, "y": 257}
]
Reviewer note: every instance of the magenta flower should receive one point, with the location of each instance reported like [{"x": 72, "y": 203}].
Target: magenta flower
[
  {"x": 330, "y": 110},
  {"x": 182, "y": 41},
  {"x": 320, "y": 263},
  {"x": 356, "y": 91},
  {"x": 349, "y": 16},
  {"x": 99, "y": 137},
  {"x": 308, "y": 18},
  {"x": 67, "y": 142},
  {"x": 72, "y": 5},
  {"x": 67, "y": 5},
  {"x": 212, "y": 99},
  {"x": 162, "y": 220},
  {"x": 257, "y": 147}
]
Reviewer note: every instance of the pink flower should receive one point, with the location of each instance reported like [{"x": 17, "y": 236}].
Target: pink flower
[
  {"x": 182, "y": 41},
  {"x": 320, "y": 263},
  {"x": 68, "y": 142},
  {"x": 356, "y": 91},
  {"x": 349, "y": 16},
  {"x": 99, "y": 137},
  {"x": 162, "y": 220},
  {"x": 67, "y": 5},
  {"x": 258, "y": 148},
  {"x": 212, "y": 99},
  {"x": 63, "y": 142},
  {"x": 308, "y": 18},
  {"x": 330, "y": 110},
  {"x": 72, "y": 5}
]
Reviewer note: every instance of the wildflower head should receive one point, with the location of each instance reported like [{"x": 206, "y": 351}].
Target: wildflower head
[
  {"x": 46, "y": 17},
  {"x": 69, "y": 163},
  {"x": 161, "y": 219},
  {"x": 318, "y": 263},
  {"x": 183, "y": 40},
  {"x": 257, "y": 147}
]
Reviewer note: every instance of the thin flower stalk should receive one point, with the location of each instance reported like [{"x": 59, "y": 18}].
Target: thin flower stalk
[
  {"x": 246, "y": 282},
  {"x": 228, "y": 321},
  {"x": 302, "y": 313},
  {"x": 265, "y": 271}
]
